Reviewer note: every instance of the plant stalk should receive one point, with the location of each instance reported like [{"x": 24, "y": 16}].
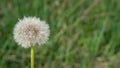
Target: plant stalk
[{"x": 32, "y": 57}]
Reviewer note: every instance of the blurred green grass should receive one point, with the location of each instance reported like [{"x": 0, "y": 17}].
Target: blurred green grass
[{"x": 84, "y": 33}]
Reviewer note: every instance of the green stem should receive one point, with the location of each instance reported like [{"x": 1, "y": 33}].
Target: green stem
[{"x": 32, "y": 57}]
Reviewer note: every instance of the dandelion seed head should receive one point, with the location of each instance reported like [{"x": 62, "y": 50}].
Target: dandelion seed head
[{"x": 31, "y": 31}]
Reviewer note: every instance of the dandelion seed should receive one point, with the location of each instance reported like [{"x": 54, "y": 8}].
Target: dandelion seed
[{"x": 31, "y": 31}]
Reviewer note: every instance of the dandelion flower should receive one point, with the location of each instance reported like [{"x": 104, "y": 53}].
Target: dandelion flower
[{"x": 31, "y": 31}]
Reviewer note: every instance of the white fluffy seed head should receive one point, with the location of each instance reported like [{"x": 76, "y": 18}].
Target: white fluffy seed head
[{"x": 31, "y": 31}]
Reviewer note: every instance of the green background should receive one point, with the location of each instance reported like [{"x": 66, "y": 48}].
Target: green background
[{"x": 84, "y": 33}]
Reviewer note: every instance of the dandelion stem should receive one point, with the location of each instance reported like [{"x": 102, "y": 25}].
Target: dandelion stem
[{"x": 32, "y": 57}]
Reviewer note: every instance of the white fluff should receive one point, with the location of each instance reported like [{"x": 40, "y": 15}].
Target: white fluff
[{"x": 31, "y": 31}]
